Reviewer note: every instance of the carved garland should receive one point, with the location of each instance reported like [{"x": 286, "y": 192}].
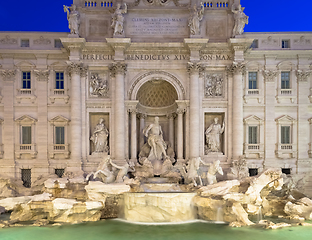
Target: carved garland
[
  {"x": 303, "y": 75},
  {"x": 155, "y": 72},
  {"x": 8, "y": 74},
  {"x": 42, "y": 75}
]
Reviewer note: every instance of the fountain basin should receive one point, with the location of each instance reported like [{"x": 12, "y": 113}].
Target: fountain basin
[{"x": 159, "y": 207}]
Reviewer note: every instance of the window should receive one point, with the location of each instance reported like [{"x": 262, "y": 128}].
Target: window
[
  {"x": 25, "y": 43},
  {"x": 285, "y": 135},
  {"x": 26, "y": 177},
  {"x": 26, "y": 135},
  {"x": 285, "y": 80},
  {"x": 26, "y": 80},
  {"x": 59, "y": 135},
  {"x": 253, "y": 172},
  {"x": 59, "y": 80},
  {"x": 58, "y": 43},
  {"x": 59, "y": 172},
  {"x": 285, "y": 43},
  {"x": 286, "y": 171},
  {"x": 252, "y": 80},
  {"x": 252, "y": 134},
  {"x": 254, "y": 44}
]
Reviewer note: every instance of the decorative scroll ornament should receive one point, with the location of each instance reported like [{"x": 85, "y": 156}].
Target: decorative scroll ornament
[
  {"x": 303, "y": 75},
  {"x": 270, "y": 41},
  {"x": 98, "y": 87},
  {"x": 118, "y": 68},
  {"x": 42, "y": 41},
  {"x": 237, "y": 67},
  {"x": 42, "y": 75},
  {"x": 269, "y": 75},
  {"x": 194, "y": 67},
  {"x": 8, "y": 40},
  {"x": 157, "y": 2},
  {"x": 214, "y": 85},
  {"x": 8, "y": 74}
]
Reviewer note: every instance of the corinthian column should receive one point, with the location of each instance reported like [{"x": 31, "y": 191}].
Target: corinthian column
[
  {"x": 194, "y": 70},
  {"x": 237, "y": 69},
  {"x": 118, "y": 69},
  {"x": 133, "y": 138},
  {"x": 180, "y": 134},
  {"x": 75, "y": 70}
]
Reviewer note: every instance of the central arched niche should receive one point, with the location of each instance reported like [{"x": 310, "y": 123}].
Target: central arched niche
[{"x": 157, "y": 94}]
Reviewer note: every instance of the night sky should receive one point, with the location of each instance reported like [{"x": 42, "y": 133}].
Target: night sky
[{"x": 48, "y": 16}]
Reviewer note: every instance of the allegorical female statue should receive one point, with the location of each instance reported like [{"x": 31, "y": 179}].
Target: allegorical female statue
[
  {"x": 100, "y": 137},
  {"x": 195, "y": 19},
  {"x": 73, "y": 18},
  {"x": 213, "y": 134},
  {"x": 240, "y": 19},
  {"x": 118, "y": 19}
]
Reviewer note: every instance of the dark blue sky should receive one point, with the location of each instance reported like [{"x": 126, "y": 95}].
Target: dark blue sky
[{"x": 264, "y": 15}]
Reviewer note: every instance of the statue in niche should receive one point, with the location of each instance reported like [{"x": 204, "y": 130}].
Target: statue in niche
[
  {"x": 214, "y": 85},
  {"x": 98, "y": 87},
  {"x": 73, "y": 18},
  {"x": 195, "y": 19},
  {"x": 118, "y": 20},
  {"x": 240, "y": 19},
  {"x": 100, "y": 137},
  {"x": 213, "y": 134},
  {"x": 158, "y": 146}
]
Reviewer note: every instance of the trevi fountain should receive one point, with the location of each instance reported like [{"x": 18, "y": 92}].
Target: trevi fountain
[{"x": 188, "y": 176}]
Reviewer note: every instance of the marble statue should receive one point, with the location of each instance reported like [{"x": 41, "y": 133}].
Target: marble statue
[
  {"x": 144, "y": 171},
  {"x": 73, "y": 18},
  {"x": 103, "y": 172},
  {"x": 169, "y": 171},
  {"x": 123, "y": 171},
  {"x": 240, "y": 19},
  {"x": 100, "y": 137},
  {"x": 213, "y": 170},
  {"x": 190, "y": 172},
  {"x": 158, "y": 146},
  {"x": 213, "y": 134},
  {"x": 195, "y": 19},
  {"x": 118, "y": 19},
  {"x": 98, "y": 87}
]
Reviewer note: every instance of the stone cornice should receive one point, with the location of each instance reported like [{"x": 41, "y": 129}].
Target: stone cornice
[{"x": 240, "y": 44}]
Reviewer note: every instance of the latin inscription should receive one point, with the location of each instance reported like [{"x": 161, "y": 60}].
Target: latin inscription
[
  {"x": 157, "y": 57},
  {"x": 157, "y": 26}
]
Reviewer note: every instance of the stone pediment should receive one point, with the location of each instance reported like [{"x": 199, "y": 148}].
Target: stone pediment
[
  {"x": 253, "y": 119},
  {"x": 59, "y": 119},
  {"x": 26, "y": 118},
  {"x": 285, "y": 119}
]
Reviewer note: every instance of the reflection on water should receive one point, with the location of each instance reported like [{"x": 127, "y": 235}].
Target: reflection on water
[{"x": 111, "y": 229}]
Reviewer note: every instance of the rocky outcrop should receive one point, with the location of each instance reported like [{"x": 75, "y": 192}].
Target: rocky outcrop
[
  {"x": 58, "y": 210},
  {"x": 301, "y": 208}
]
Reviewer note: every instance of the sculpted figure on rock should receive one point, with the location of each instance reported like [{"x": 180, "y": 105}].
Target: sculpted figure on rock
[
  {"x": 213, "y": 134},
  {"x": 195, "y": 19},
  {"x": 240, "y": 19},
  {"x": 100, "y": 137},
  {"x": 73, "y": 18},
  {"x": 118, "y": 19}
]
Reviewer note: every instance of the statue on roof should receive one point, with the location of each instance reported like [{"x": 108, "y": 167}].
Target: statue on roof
[
  {"x": 118, "y": 20},
  {"x": 73, "y": 18},
  {"x": 240, "y": 18},
  {"x": 195, "y": 19}
]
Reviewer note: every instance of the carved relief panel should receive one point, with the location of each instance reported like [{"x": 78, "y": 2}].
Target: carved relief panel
[
  {"x": 214, "y": 85},
  {"x": 98, "y": 85}
]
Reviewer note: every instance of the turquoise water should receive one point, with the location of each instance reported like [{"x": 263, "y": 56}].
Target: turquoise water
[{"x": 111, "y": 229}]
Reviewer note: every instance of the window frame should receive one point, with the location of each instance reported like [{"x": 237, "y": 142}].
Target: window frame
[
  {"x": 252, "y": 81},
  {"x": 26, "y": 80},
  {"x": 285, "y": 44}
]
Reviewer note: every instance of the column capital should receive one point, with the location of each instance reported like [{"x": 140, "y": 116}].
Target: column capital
[
  {"x": 171, "y": 115},
  {"x": 142, "y": 115},
  {"x": 118, "y": 68},
  {"x": 194, "y": 67},
  {"x": 8, "y": 74},
  {"x": 303, "y": 75},
  {"x": 42, "y": 75},
  {"x": 237, "y": 67},
  {"x": 76, "y": 67},
  {"x": 269, "y": 75},
  {"x": 180, "y": 111},
  {"x": 132, "y": 110}
]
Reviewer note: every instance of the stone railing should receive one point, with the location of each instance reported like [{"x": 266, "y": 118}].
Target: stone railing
[
  {"x": 61, "y": 150},
  {"x": 25, "y": 149}
]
